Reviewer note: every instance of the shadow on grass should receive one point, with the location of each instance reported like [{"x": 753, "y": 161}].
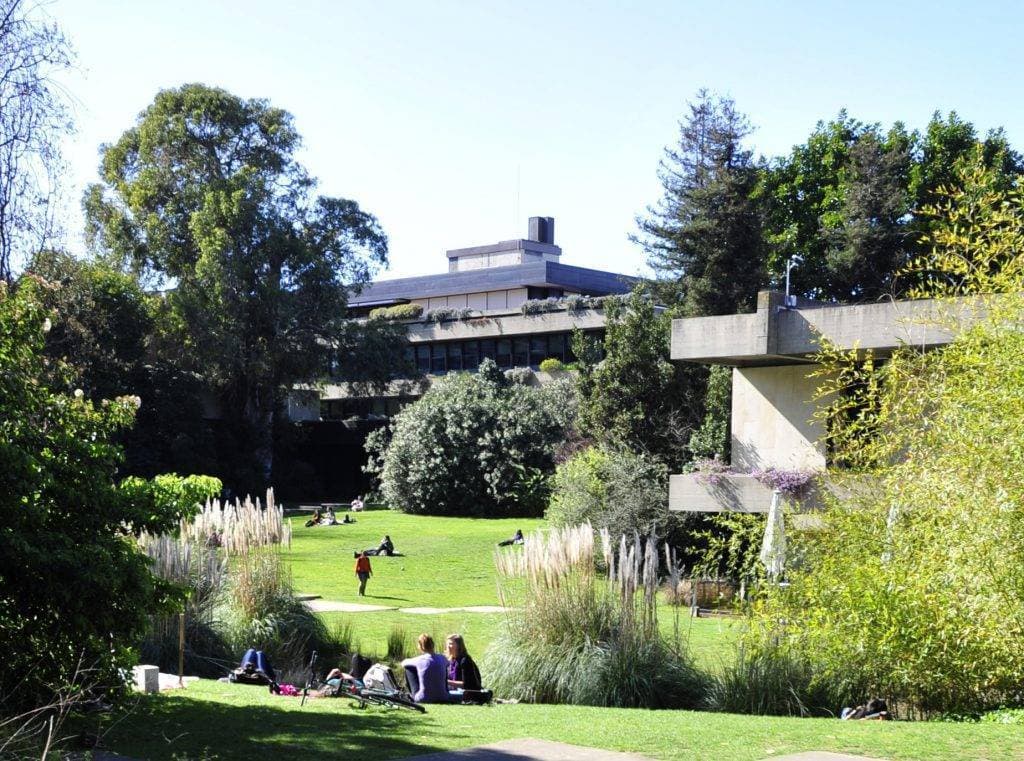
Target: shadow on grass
[{"x": 168, "y": 727}]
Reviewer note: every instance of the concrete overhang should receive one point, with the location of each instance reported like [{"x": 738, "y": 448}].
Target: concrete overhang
[
  {"x": 505, "y": 326},
  {"x": 777, "y": 335}
]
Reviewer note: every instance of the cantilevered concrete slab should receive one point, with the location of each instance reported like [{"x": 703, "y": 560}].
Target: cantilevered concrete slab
[
  {"x": 774, "y": 385},
  {"x": 776, "y": 335}
]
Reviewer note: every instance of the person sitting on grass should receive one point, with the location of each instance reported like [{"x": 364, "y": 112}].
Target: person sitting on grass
[
  {"x": 517, "y": 538},
  {"x": 330, "y": 520},
  {"x": 386, "y": 547},
  {"x": 463, "y": 673},
  {"x": 426, "y": 674},
  {"x": 315, "y": 520}
]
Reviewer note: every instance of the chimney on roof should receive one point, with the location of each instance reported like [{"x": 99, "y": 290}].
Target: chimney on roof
[{"x": 542, "y": 229}]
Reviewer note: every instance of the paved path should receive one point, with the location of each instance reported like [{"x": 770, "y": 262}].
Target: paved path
[
  {"x": 336, "y": 606},
  {"x": 529, "y": 749},
  {"x": 820, "y": 755}
]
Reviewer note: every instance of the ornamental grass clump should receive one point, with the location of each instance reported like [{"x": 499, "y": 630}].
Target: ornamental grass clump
[
  {"x": 203, "y": 572},
  {"x": 239, "y": 526},
  {"x": 582, "y": 626}
]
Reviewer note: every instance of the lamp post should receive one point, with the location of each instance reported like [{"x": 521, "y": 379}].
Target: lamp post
[{"x": 790, "y": 264}]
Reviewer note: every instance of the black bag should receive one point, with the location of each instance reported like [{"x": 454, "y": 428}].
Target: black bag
[
  {"x": 477, "y": 697},
  {"x": 359, "y": 666}
]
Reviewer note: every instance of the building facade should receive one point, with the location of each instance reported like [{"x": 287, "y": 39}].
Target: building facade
[{"x": 514, "y": 302}]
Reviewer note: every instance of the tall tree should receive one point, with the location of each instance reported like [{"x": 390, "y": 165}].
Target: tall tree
[
  {"x": 849, "y": 201},
  {"x": 33, "y": 120},
  {"x": 633, "y": 397},
  {"x": 703, "y": 239},
  {"x": 205, "y": 193}
]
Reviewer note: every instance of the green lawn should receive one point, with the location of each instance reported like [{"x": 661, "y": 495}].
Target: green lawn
[
  {"x": 445, "y": 563},
  {"x": 214, "y": 720}
]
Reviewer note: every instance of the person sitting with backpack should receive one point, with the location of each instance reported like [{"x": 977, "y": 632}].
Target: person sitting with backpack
[
  {"x": 386, "y": 547},
  {"x": 427, "y": 673}
]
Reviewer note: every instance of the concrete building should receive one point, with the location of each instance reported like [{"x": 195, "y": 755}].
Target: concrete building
[
  {"x": 771, "y": 353},
  {"x": 473, "y": 311}
]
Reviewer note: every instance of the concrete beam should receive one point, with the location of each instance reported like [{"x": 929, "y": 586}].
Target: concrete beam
[
  {"x": 777, "y": 335},
  {"x": 505, "y": 326}
]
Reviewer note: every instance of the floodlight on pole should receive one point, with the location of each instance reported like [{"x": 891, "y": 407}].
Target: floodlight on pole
[{"x": 794, "y": 260}]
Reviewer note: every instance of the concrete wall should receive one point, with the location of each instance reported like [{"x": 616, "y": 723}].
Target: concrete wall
[
  {"x": 507, "y": 325},
  {"x": 771, "y": 419}
]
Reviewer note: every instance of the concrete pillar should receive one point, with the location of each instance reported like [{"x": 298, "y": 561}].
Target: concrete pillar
[
  {"x": 147, "y": 678},
  {"x": 772, "y": 426}
]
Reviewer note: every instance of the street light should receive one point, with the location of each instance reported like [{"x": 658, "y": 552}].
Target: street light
[{"x": 790, "y": 264}]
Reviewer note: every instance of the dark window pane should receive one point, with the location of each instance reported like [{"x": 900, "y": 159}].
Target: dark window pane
[
  {"x": 487, "y": 349},
  {"x": 504, "y": 354},
  {"x": 455, "y": 356},
  {"x": 538, "y": 350},
  {"x": 437, "y": 364},
  {"x": 520, "y": 352},
  {"x": 423, "y": 358},
  {"x": 556, "y": 346},
  {"x": 470, "y": 355}
]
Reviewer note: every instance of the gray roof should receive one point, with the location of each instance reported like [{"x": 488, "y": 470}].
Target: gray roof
[{"x": 541, "y": 274}]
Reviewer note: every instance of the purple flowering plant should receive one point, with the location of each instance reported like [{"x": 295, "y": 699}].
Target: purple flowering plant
[{"x": 790, "y": 482}]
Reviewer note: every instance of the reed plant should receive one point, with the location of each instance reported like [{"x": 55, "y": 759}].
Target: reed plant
[
  {"x": 203, "y": 572},
  {"x": 240, "y": 525},
  {"x": 399, "y": 644},
  {"x": 582, "y": 625},
  {"x": 262, "y": 611}
]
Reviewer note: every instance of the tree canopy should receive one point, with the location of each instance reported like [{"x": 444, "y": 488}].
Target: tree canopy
[{"x": 205, "y": 194}]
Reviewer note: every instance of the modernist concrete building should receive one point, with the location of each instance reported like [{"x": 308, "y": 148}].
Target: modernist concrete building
[
  {"x": 482, "y": 295},
  {"x": 481, "y": 298},
  {"x": 771, "y": 353}
]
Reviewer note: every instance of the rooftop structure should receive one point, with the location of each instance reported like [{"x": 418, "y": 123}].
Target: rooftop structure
[{"x": 496, "y": 277}]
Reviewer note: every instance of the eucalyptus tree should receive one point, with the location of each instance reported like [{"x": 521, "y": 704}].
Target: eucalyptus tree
[{"x": 204, "y": 195}]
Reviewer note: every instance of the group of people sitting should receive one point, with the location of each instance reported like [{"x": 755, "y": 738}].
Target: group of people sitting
[
  {"x": 430, "y": 677},
  {"x": 328, "y": 518},
  {"x": 450, "y": 678}
]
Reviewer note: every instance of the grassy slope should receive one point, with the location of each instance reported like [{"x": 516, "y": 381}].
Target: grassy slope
[
  {"x": 446, "y": 563},
  {"x": 210, "y": 719}
]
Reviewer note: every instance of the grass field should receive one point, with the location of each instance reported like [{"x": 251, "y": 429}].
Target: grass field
[
  {"x": 448, "y": 563},
  {"x": 445, "y": 563},
  {"x": 214, "y": 720}
]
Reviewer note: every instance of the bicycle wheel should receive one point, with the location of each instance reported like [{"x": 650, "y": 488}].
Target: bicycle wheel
[{"x": 392, "y": 700}]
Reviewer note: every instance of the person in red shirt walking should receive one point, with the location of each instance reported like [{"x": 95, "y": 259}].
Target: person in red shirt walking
[{"x": 363, "y": 572}]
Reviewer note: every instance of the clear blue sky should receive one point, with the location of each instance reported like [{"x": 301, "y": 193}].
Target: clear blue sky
[{"x": 455, "y": 121}]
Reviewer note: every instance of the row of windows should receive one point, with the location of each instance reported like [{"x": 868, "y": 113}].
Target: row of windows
[
  {"x": 437, "y": 358},
  {"x": 363, "y": 407}
]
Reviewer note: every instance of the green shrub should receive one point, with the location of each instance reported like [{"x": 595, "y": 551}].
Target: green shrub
[
  {"x": 183, "y": 496},
  {"x": 574, "y": 635},
  {"x": 774, "y": 682},
  {"x": 472, "y": 445},
  {"x": 619, "y": 490},
  {"x": 442, "y": 314},
  {"x": 552, "y": 365},
  {"x": 397, "y": 312},
  {"x": 74, "y": 589},
  {"x": 540, "y": 306}
]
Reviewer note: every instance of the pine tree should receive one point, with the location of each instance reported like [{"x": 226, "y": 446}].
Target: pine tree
[{"x": 703, "y": 239}]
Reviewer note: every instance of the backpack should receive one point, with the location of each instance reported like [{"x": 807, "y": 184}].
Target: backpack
[{"x": 379, "y": 677}]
